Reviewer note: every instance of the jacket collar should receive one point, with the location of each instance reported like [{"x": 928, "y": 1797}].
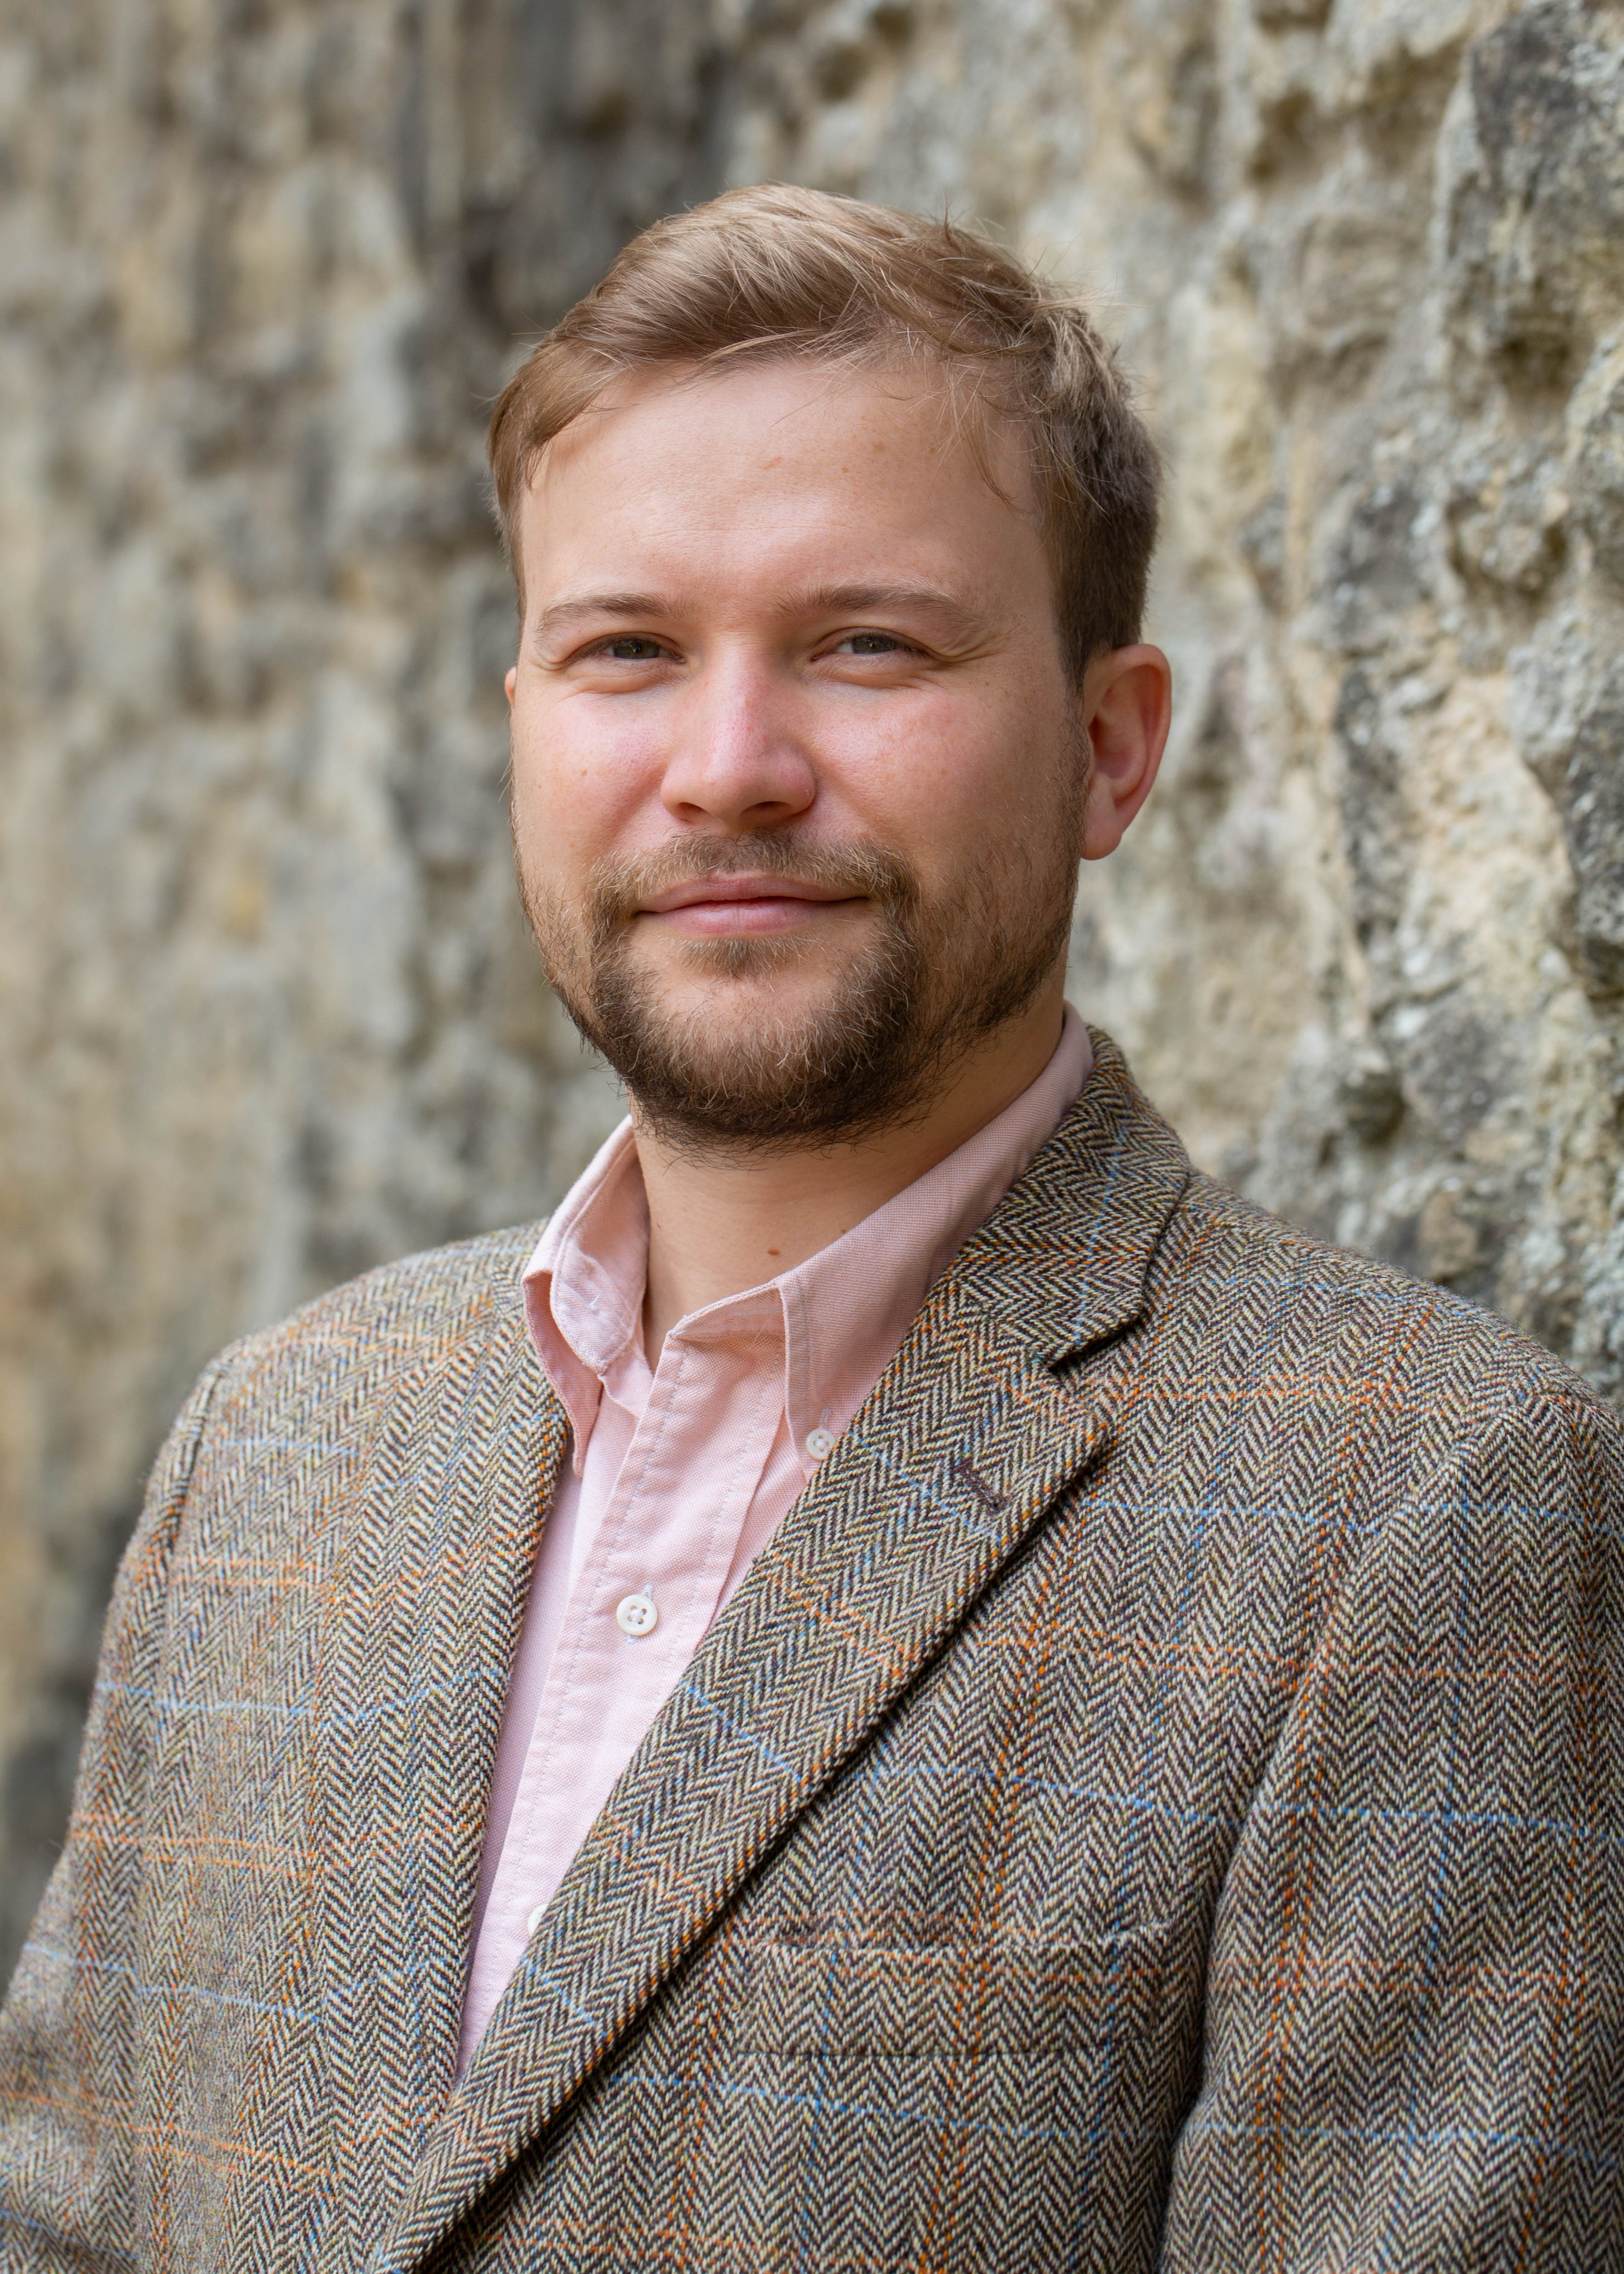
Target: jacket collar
[
  {"x": 1062, "y": 1263},
  {"x": 975, "y": 1428}
]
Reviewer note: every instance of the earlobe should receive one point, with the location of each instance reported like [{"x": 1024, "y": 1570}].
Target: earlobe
[{"x": 1127, "y": 707}]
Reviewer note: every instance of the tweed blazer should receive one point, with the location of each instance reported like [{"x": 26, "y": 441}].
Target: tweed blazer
[{"x": 1157, "y": 1800}]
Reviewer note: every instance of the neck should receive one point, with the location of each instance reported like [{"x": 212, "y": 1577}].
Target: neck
[{"x": 721, "y": 1222}]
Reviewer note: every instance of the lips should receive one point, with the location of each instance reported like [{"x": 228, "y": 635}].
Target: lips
[
  {"x": 729, "y": 906},
  {"x": 720, "y": 891}
]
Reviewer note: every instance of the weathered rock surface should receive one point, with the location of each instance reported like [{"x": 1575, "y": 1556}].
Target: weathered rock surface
[
  {"x": 1368, "y": 945},
  {"x": 266, "y": 1011}
]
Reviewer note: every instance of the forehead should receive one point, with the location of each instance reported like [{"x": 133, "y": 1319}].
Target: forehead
[{"x": 766, "y": 463}]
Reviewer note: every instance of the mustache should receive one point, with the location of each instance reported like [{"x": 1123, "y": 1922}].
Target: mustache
[{"x": 622, "y": 885}]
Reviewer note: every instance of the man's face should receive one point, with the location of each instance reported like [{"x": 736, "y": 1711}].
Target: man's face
[{"x": 798, "y": 770}]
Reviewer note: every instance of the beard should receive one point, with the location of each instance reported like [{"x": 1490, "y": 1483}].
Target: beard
[{"x": 742, "y": 1071}]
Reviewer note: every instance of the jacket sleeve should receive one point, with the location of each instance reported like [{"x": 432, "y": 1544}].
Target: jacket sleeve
[
  {"x": 69, "y": 2149},
  {"x": 1414, "y": 2046}
]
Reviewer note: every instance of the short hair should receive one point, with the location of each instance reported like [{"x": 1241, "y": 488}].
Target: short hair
[{"x": 778, "y": 272}]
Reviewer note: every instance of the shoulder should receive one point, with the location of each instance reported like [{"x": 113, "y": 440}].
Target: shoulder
[
  {"x": 403, "y": 1316},
  {"x": 282, "y": 1424},
  {"x": 1279, "y": 1317}
]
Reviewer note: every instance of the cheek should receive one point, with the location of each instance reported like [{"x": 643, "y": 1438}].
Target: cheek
[
  {"x": 946, "y": 781},
  {"x": 577, "y": 787}
]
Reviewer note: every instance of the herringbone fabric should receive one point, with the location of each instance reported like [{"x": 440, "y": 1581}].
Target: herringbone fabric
[{"x": 1155, "y": 1801}]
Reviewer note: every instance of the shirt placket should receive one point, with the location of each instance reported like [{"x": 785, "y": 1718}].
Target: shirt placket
[{"x": 666, "y": 1537}]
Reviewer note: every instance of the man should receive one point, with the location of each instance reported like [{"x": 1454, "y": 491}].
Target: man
[{"x": 910, "y": 1684}]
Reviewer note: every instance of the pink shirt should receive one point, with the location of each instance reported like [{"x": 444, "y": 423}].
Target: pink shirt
[{"x": 680, "y": 1477}]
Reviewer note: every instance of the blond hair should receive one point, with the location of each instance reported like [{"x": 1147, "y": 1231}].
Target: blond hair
[{"x": 781, "y": 272}]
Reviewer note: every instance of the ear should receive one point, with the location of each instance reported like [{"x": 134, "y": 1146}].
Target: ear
[
  {"x": 1126, "y": 705},
  {"x": 509, "y": 682}
]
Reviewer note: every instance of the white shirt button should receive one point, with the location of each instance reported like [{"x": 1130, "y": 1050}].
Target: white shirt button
[
  {"x": 534, "y": 1920},
  {"x": 636, "y": 1614},
  {"x": 820, "y": 1442}
]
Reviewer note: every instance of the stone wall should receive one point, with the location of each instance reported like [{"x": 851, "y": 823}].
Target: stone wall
[
  {"x": 267, "y": 1014},
  {"x": 266, "y": 1011},
  {"x": 1367, "y": 946}
]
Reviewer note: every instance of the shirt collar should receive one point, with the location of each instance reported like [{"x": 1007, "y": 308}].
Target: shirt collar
[
  {"x": 583, "y": 1286},
  {"x": 846, "y": 1310}
]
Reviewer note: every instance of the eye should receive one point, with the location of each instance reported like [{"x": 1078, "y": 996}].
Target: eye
[
  {"x": 632, "y": 647},
  {"x": 873, "y": 643}
]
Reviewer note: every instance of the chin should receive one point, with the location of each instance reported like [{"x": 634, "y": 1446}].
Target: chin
[{"x": 778, "y": 973}]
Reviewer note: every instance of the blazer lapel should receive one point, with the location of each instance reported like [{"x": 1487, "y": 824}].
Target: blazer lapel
[
  {"x": 436, "y": 1554},
  {"x": 965, "y": 1444}
]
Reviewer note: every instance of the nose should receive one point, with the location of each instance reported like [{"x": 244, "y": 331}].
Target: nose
[{"x": 739, "y": 762}]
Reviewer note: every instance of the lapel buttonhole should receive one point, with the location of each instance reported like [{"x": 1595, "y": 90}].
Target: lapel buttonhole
[{"x": 989, "y": 1500}]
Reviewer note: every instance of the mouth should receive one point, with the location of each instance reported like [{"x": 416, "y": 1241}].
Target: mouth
[{"x": 723, "y": 907}]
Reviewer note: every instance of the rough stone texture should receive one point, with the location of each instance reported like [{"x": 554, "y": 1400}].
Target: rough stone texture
[
  {"x": 266, "y": 1011},
  {"x": 1367, "y": 946},
  {"x": 260, "y": 979}
]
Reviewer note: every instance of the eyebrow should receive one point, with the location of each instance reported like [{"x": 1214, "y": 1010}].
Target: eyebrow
[
  {"x": 820, "y": 600},
  {"x": 859, "y": 600},
  {"x": 590, "y": 605}
]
